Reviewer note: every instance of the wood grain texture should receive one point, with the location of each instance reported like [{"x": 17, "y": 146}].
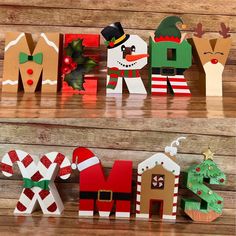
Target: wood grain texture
[
  {"x": 90, "y": 17},
  {"x": 112, "y": 136}
]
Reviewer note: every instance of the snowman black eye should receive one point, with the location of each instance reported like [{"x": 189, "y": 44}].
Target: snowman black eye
[
  {"x": 133, "y": 48},
  {"x": 123, "y": 48}
]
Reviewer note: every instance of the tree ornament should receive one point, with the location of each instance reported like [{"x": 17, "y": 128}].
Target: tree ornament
[{"x": 211, "y": 204}]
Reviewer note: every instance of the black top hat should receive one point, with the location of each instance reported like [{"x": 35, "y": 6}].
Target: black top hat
[{"x": 114, "y": 31}]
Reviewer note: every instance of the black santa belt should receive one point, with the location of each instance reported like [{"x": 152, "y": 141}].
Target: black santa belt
[{"x": 105, "y": 195}]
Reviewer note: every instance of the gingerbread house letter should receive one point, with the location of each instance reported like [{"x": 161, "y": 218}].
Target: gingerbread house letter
[
  {"x": 157, "y": 185},
  {"x": 32, "y": 61}
]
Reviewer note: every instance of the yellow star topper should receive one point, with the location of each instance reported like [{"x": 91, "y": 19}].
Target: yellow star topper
[{"x": 208, "y": 154}]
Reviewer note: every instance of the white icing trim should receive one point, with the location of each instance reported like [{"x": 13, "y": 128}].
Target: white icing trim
[
  {"x": 174, "y": 209},
  {"x": 88, "y": 163},
  {"x": 176, "y": 189},
  {"x": 50, "y": 43},
  {"x": 139, "y": 188},
  {"x": 11, "y": 82},
  {"x": 14, "y": 42},
  {"x": 169, "y": 217},
  {"x": 50, "y": 82},
  {"x": 138, "y": 197},
  {"x": 146, "y": 216},
  {"x": 168, "y": 164},
  {"x": 176, "y": 180}
]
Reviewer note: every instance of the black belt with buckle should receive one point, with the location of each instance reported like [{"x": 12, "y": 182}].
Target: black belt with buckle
[
  {"x": 168, "y": 71},
  {"x": 105, "y": 195}
]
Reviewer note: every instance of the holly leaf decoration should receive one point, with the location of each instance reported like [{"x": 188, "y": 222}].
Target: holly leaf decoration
[
  {"x": 89, "y": 65},
  {"x": 75, "y": 79}
]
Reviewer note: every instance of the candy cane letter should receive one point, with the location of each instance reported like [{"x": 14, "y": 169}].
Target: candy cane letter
[
  {"x": 104, "y": 192},
  {"x": 38, "y": 180}
]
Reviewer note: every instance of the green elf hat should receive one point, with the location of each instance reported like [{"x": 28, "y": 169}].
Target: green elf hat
[{"x": 168, "y": 31}]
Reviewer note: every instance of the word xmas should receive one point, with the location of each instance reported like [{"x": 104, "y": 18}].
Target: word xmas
[
  {"x": 157, "y": 184},
  {"x": 32, "y": 68}
]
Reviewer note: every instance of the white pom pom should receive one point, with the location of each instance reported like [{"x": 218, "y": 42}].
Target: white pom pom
[
  {"x": 171, "y": 150},
  {"x": 73, "y": 166}
]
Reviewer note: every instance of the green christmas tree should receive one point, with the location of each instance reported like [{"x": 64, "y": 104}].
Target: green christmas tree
[
  {"x": 76, "y": 65},
  {"x": 207, "y": 172}
]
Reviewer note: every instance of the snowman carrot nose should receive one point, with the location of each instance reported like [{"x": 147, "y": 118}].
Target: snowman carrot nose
[{"x": 135, "y": 57}]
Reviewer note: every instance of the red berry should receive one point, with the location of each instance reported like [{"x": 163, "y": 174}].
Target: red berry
[
  {"x": 29, "y": 71},
  {"x": 30, "y": 81},
  {"x": 67, "y": 60},
  {"x": 73, "y": 65},
  {"x": 111, "y": 44},
  {"x": 199, "y": 192},
  {"x": 219, "y": 202},
  {"x": 198, "y": 169},
  {"x": 214, "y": 61},
  {"x": 66, "y": 70},
  {"x": 222, "y": 180}
]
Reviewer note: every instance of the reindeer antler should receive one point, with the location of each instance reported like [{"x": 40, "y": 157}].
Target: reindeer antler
[
  {"x": 199, "y": 31},
  {"x": 224, "y": 30}
]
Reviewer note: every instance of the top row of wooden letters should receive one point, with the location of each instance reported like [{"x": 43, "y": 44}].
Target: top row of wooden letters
[{"x": 31, "y": 68}]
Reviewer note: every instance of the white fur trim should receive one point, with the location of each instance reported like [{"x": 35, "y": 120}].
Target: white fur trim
[
  {"x": 123, "y": 214},
  {"x": 85, "y": 213},
  {"x": 104, "y": 213},
  {"x": 88, "y": 163}
]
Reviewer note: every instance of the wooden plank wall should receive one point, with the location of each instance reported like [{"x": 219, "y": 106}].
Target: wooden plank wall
[
  {"x": 127, "y": 139},
  {"x": 137, "y": 16}
]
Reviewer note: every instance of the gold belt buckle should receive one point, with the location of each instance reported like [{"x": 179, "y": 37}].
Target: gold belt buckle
[{"x": 105, "y": 191}]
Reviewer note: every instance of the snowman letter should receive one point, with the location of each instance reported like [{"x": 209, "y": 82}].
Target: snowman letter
[
  {"x": 95, "y": 188},
  {"x": 126, "y": 55},
  {"x": 22, "y": 55}
]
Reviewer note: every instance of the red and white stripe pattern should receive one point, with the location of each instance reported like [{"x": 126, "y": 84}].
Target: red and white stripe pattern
[
  {"x": 178, "y": 84},
  {"x": 138, "y": 199},
  {"x": 175, "y": 199},
  {"x": 46, "y": 169}
]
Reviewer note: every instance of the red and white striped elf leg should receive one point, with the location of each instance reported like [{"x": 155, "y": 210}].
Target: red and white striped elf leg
[
  {"x": 179, "y": 85},
  {"x": 158, "y": 84},
  {"x": 175, "y": 199}
]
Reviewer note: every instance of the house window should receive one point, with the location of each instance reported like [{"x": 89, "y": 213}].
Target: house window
[
  {"x": 158, "y": 181},
  {"x": 171, "y": 54}
]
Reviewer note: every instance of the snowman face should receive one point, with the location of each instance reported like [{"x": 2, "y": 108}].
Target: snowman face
[{"x": 133, "y": 46}]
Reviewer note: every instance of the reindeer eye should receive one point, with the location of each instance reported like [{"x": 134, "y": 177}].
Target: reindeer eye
[
  {"x": 221, "y": 53},
  {"x": 123, "y": 48},
  {"x": 208, "y": 53},
  {"x": 133, "y": 48}
]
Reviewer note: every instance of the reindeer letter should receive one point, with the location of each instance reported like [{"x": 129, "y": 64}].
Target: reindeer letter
[{"x": 212, "y": 55}]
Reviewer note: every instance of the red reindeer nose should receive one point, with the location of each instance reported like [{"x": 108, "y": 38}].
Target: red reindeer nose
[{"x": 214, "y": 61}]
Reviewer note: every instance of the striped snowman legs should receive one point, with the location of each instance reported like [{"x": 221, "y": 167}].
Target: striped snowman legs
[{"x": 177, "y": 84}]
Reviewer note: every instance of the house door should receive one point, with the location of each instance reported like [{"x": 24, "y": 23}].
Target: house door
[{"x": 156, "y": 208}]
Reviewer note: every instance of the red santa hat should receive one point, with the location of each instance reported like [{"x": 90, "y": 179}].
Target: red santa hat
[{"x": 83, "y": 158}]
